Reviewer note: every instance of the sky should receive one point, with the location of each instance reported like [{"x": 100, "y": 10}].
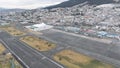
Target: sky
[{"x": 28, "y": 4}]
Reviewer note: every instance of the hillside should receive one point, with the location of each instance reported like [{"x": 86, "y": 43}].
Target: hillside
[
  {"x": 71, "y": 3},
  {"x": 90, "y": 13}
]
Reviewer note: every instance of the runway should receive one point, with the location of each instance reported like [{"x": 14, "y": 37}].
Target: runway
[
  {"x": 109, "y": 53},
  {"x": 28, "y": 56}
]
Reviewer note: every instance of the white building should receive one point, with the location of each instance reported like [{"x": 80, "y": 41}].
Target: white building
[{"x": 40, "y": 27}]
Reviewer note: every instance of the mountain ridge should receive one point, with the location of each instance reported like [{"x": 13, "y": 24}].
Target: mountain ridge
[{"x": 71, "y": 3}]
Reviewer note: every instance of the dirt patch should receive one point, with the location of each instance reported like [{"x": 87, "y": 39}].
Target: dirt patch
[
  {"x": 72, "y": 59},
  {"x": 6, "y": 60},
  {"x": 39, "y": 44},
  {"x": 13, "y": 31}
]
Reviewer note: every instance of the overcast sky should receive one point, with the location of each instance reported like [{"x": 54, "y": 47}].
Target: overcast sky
[{"x": 28, "y": 4}]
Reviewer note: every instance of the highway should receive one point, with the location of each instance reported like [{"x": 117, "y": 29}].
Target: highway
[{"x": 29, "y": 57}]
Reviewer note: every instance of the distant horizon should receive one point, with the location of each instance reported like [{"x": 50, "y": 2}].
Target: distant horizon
[
  {"x": 28, "y": 4},
  {"x": 34, "y": 7}
]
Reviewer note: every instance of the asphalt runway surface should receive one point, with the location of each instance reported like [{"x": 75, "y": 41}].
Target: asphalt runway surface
[
  {"x": 28, "y": 56},
  {"x": 78, "y": 42},
  {"x": 106, "y": 52},
  {"x": 102, "y": 51}
]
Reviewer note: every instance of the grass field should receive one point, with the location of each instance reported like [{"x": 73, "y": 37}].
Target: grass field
[
  {"x": 6, "y": 58},
  {"x": 13, "y": 31},
  {"x": 1, "y": 48},
  {"x": 39, "y": 44},
  {"x": 72, "y": 59}
]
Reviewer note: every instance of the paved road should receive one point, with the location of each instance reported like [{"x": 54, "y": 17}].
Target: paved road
[
  {"x": 106, "y": 52},
  {"x": 28, "y": 56}
]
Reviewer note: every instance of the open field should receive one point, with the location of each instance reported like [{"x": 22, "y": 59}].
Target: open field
[
  {"x": 13, "y": 31},
  {"x": 5, "y": 59},
  {"x": 71, "y": 59},
  {"x": 1, "y": 48},
  {"x": 39, "y": 44},
  {"x": 3, "y": 62}
]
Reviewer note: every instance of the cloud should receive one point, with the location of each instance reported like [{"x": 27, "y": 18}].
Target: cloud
[{"x": 28, "y": 4}]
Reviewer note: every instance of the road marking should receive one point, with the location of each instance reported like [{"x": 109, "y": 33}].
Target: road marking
[
  {"x": 43, "y": 55},
  {"x": 15, "y": 54},
  {"x": 43, "y": 58}
]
